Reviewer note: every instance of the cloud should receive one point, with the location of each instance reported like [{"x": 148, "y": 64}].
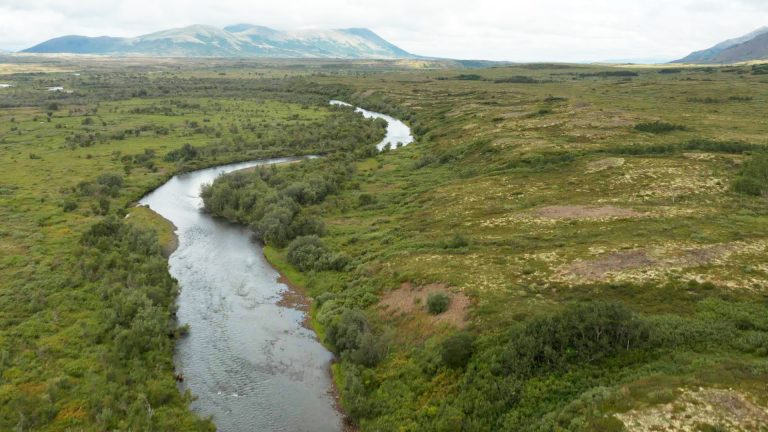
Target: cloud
[{"x": 552, "y": 30}]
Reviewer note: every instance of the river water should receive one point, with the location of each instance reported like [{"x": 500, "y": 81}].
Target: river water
[
  {"x": 249, "y": 361},
  {"x": 397, "y": 131}
]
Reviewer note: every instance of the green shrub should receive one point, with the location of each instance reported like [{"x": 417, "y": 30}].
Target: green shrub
[
  {"x": 69, "y": 205},
  {"x": 658, "y": 127},
  {"x": 438, "y": 303},
  {"x": 468, "y": 77},
  {"x": 753, "y": 177},
  {"x": 458, "y": 241},
  {"x": 579, "y": 333},
  {"x": 424, "y": 161},
  {"x": 456, "y": 350},
  {"x": 517, "y": 79},
  {"x": 187, "y": 152},
  {"x": 365, "y": 199},
  {"x": 310, "y": 253}
]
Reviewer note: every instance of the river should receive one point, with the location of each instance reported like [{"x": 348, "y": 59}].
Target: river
[{"x": 248, "y": 360}]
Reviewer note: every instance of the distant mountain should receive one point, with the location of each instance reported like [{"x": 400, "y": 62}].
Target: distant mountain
[
  {"x": 241, "y": 40},
  {"x": 752, "y": 46}
]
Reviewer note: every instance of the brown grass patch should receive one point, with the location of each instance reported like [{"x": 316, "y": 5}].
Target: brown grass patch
[
  {"x": 585, "y": 212},
  {"x": 411, "y": 301}
]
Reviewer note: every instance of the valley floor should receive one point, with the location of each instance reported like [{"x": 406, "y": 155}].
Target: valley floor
[{"x": 600, "y": 233}]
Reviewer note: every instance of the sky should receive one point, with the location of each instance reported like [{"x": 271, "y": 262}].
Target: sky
[{"x": 513, "y": 30}]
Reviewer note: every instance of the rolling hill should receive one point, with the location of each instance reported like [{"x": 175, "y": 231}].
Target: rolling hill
[
  {"x": 241, "y": 40},
  {"x": 752, "y": 46}
]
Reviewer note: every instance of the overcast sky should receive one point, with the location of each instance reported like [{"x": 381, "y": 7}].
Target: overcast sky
[{"x": 517, "y": 30}]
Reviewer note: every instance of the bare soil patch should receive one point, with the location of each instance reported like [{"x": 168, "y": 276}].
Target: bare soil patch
[
  {"x": 585, "y": 212},
  {"x": 656, "y": 258},
  {"x": 412, "y": 300},
  {"x": 724, "y": 408},
  {"x": 613, "y": 262}
]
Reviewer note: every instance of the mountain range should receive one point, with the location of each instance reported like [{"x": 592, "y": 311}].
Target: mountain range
[
  {"x": 752, "y": 46},
  {"x": 241, "y": 40}
]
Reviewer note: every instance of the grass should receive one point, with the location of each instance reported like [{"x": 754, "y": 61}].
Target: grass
[
  {"x": 46, "y": 313},
  {"x": 146, "y": 217},
  {"x": 461, "y": 206}
]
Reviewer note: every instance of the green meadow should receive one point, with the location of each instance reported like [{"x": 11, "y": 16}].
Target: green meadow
[{"x": 599, "y": 233}]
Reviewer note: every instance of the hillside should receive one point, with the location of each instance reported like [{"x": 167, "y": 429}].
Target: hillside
[
  {"x": 752, "y": 46},
  {"x": 242, "y": 40}
]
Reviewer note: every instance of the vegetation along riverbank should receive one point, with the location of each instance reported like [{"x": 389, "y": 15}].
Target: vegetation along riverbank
[{"x": 564, "y": 247}]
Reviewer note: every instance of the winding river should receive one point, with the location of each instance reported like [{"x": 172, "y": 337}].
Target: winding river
[{"x": 247, "y": 359}]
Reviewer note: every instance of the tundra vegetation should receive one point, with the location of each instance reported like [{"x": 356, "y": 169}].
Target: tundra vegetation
[{"x": 607, "y": 225}]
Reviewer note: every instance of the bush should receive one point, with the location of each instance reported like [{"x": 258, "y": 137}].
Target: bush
[
  {"x": 458, "y": 241},
  {"x": 457, "y": 350},
  {"x": 517, "y": 79},
  {"x": 186, "y": 153},
  {"x": 309, "y": 253},
  {"x": 424, "y": 161},
  {"x": 753, "y": 178},
  {"x": 658, "y": 127},
  {"x": 437, "y": 303},
  {"x": 69, "y": 205},
  {"x": 468, "y": 77},
  {"x": 582, "y": 332},
  {"x": 366, "y": 199}
]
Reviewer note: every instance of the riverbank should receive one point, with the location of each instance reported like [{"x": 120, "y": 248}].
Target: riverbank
[
  {"x": 297, "y": 295},
  {"x": 165, "y": 229}
]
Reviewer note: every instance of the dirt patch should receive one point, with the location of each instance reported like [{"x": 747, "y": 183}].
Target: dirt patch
[
  {"x": 411, "y": 300},
  {"x": 613, "y": 262},
  {"x": 726, "y": 408},
  {"x": 585, "y": 212},
  {"x": 640, "y": 264},
  {"x": 604, "y": 164}
]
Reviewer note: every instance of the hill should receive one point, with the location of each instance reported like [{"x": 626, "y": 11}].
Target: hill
[
  {"x": 241, "y": 40},
  {"x": 752, "y": 46}
]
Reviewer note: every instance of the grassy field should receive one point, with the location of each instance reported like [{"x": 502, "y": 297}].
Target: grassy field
[
  {"x": 548, "y": 202},
  {"x": 79, "y": 288},
  {"x": 536, "y": 187}
]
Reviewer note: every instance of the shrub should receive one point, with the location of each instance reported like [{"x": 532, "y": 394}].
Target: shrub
[
  {"x": 186, "y": 153},
  {"x": 437, "y": 303},
  {"x": 658, "y": 127},
  {"x": 458, "y": 241},
  {"x": 582, "y": 332},
  {"x": 753, "y": 178},
  {"x": 517, "y": 79},
  {"x": 456, "y": 350},
  {"x": 468, "y": 77},
  {"x": 309, "y": 253},
  {"x": 366, "y": 199},
  {"x": 608, "y": 74},
  {"x": 69, "y": 205},
  {"x": 424, "y": 161}
]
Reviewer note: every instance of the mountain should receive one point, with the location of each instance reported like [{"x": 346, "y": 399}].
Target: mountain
[
  {"x": 240, "y": 40},
  {"x": 752, "y": 46}
]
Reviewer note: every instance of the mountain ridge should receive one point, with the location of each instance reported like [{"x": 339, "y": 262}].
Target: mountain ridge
[
  {"x": 752, "y": 46},
  {"x": 238, "y": 40}
]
